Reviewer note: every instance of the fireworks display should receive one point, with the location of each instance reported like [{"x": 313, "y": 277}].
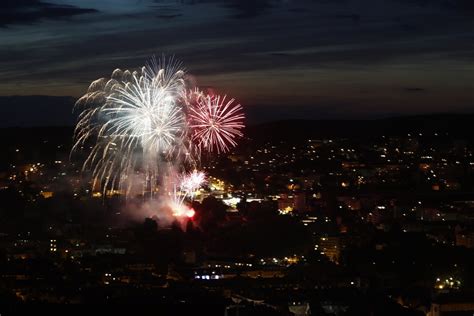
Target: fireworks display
[{"x": 143, "y": 129}]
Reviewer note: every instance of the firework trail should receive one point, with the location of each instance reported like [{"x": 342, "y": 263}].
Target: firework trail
[{"x": 142, "y": 129}]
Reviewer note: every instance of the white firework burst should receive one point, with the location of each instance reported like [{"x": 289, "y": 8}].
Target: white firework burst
[{"x": 137, "y": 122}]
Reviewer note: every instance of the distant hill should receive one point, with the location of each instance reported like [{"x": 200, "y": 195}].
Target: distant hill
[
  {"x": 455, "y": 124},
  {"x": 36, "y": 110},
  {"x": 458, "y": 125}
]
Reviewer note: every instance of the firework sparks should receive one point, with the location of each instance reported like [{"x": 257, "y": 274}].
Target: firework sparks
[
  {"x": 216, "y": 123},
  {"x": 192, "y": 182}
]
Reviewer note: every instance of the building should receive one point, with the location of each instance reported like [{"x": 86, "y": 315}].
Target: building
[{"x": 465, "y": 239}]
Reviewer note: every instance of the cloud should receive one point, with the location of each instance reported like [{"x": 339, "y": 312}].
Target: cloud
[
  {"x": 249, "y": 8},
  {"x": 413, "y": 89},
  {"x": 30, "y": 11},
  {"x": 453, "y": 4},
  {"x": 168, "y": 16},
  {"x": 241, "y": 9}
]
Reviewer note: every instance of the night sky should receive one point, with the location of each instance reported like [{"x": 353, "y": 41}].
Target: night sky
[{"x": 281, "y": 59}]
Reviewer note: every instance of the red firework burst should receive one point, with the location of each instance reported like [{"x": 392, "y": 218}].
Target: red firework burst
[{"x": 216, "y": 123}]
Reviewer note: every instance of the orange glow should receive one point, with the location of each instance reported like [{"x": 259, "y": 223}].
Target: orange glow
[
  {"x": 46, "y": 194},
  {"x": 183, "y": 211}
]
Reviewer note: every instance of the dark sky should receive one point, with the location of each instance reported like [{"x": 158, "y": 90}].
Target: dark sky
[{"x": 280, "y": 59}]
